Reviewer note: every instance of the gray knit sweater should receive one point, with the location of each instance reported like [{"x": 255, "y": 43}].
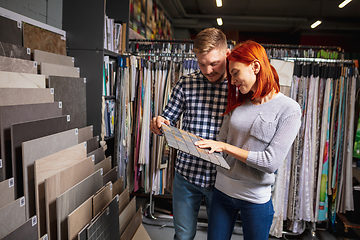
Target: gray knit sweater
[{"x": 267, "y": 131}]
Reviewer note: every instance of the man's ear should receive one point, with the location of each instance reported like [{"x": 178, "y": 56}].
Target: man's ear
[{"x": 228, "y": 51}]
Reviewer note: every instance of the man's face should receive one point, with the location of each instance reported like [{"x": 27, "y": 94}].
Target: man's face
[{"x": 212, "y": 65}]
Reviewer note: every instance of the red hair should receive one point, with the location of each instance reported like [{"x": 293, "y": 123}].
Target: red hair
[{"x": 267, "y": 78}]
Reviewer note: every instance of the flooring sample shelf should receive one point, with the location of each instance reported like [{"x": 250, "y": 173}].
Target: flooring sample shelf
[
  {"x": 9, "y": 64},
  {"x": 18, "y": 96},
  {"x": 14, "y": 51},
  {"x": 48, "y": 57},
  {"x": 21, "y": 80}
]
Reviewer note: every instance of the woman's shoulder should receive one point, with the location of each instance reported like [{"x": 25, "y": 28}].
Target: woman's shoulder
[{"x": 288, "y": 104}]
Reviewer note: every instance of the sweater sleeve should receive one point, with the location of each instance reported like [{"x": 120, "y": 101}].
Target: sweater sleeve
[{"x": 224, "y": 128}]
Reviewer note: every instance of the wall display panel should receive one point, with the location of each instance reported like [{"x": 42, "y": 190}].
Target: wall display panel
[
  {"x": 85, "y": 133},
  {"x": 72, "y": 92},
  {"x": 12, "y": 216},
  {"x": 38, "y": 148},
  {"x": 21, "y": 80},
  {"x": 11, "y": 31},
  {"x": 7, "y": 192},
  {"x": 49, "y": 69},
  {"x": 9, "y": 64},
  {"x": 18, "y": 96},
  {"x": 53, "y": 58},
  {"x": 14, "y": 51},
  {"x": 38, "y": 38},
  {"x": 27, "y": 231}
]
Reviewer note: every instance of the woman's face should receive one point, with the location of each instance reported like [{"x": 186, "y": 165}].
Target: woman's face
[{"x": 243, "y": 76}]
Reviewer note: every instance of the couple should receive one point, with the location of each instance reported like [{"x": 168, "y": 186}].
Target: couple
[{"x": 235, "y": 99}]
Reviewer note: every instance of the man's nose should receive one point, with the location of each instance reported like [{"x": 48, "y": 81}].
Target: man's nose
[{"x": 208, "y": 69}]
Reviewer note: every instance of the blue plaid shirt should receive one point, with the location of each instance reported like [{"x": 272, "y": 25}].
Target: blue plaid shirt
[{"x": 201, "y": 104}]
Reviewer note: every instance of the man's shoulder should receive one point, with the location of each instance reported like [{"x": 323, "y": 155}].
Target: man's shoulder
[{"x": 194, "y": 75}]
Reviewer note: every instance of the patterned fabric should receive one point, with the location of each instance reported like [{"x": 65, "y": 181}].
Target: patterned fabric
[{"x": 202, "y": 104}]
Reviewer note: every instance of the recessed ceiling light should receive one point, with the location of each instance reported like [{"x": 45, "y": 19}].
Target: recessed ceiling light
[
  {"x": 315, "y": 24},
  {"x": 344, "y": 3},
  {"x": 219, "y": 3},
  {"x": 219, "y": 21}
]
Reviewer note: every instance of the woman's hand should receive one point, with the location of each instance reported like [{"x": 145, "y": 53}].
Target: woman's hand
[{"x": 215, "y": 146}]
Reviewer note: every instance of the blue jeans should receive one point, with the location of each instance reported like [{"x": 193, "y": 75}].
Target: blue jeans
[
  {"x": 187, "y": 199},
  {"x": 256, "y": 219}
]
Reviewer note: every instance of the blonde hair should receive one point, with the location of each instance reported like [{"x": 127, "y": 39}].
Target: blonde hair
[{"x": 209, "y": 39}]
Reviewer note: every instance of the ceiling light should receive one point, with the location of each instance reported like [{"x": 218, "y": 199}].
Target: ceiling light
[
  {"x": 344, "y": 3},
  {"x": 315, "y": 24},
  {"x": 219, "y": 21},
  {"x": 219, "y": 3}
]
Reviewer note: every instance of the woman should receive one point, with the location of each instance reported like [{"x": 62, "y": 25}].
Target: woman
[{"x": 259, "y": 128}]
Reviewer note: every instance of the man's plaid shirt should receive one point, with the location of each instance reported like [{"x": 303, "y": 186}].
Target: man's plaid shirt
[{"x": 201, "y": 104}]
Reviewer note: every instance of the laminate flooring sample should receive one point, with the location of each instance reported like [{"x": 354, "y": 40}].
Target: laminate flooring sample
[
  {"x": 38, "y": 148},
  {"x": 73, "y": 198},
  {"x": 53, "y": 58},
  {"x": 49, "y": 166},
  {"x": 9, "y": 64},
  {"x": 92, "y": 144},
  {"x": 49, "y": 69},
  {"x": 18, "y": 96},
  {"x": 21, "y": 80},
  {"x": 105, "y": 165},
  {"x": 127, "y": 215},
  {"x": 124, "y": 199},
  {"x": 12, "y": 216},
  {"x": 102, "y": 198},
  {"x": 118, "y": 187},
  {"x": 133, "y": 226},
  {"x": 14, "y": 51},
  {"x": 11, "y": 31},
  {"x": 111, "y": 176},
  {"x": 39, "y": 38},
  {"x": 58, "y": 184},
  {"x": 71, "y": 91},
  {"x": 27, "y": 231},
  {"x": 85, "y": 133},
  {"x": 141, "y": 234},
  {"x": 79, "y": 218},
  {"x": 99, "y": 155},
  {"x": 7, "y": 192}
]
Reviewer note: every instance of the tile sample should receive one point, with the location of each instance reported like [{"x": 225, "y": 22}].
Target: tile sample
[
  {"x": 58, "y": 184},
  {"x": 21, "y": 80},
  {"x": 38, "y": 148},
  {"x": 44, "y": 237},
  {"x": 17, "y": 65},
  {"x": 106, "y": 226},
  {"x": 73, "y": 198},
  {"x": 26, "y": 131},
  {"x": 124, "y": 199},
  {"x": 38, "y": 38},
  {"x": 99, "y": 154},
  {"x": 49, "y": 69},
  {"x": 79, "y": 218},
  {"x": 17, "y": 96},
  {"x": 102, "y": 198},
  {"x": 14, "y": 51},
  {"x": 12, "y": 216},
  {"x": 85, "y": 133},
  {"x": 27, "y": 231},
  {"x": 104, "y": 164},
  {"x": 111, "y": 176},
  {"x": 118, "y": 187},
  {"x": 16, "y": 114},
  {"x": 7, "y": 192},
  {"x": 133, "y": 226},
  {"x": 141, "y": 234},
  {"x": 11, "y": 31},
  {"x": 48, "y": 166},
  {"x": 48, "y": 57},
  {"x": 82, "y": 235},
  {"x": 92, "y": 144},
  {"x": 127, "y": 215},
  {"x": 72, "y": 93}
]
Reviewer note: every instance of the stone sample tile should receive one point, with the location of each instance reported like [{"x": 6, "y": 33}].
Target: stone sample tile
[
  {"x": 21, "y": 80},
  {"x": 72, "y": 93},
  {"x": 9, "y": 64},
  {"x": 18, "y": 96},
  {"x": 11, "y": 31},
  {"x": 79, "y": 218},
  {"x": 41, "y": 39},
  {"x": 85, "y": 133},
  {"x": 38, "y": 148},
  {"x": 7, "y": 192},
  {"x": 14, "y": 51},
  {"x": 48, "y": 57},
  {"x": 12, "y": 216},
  {"x": 49, "y": 69},
  {"x": 105, "y": 165},
  {"x": 27, "y": 231},
  {"x": 49, "y": 166}
]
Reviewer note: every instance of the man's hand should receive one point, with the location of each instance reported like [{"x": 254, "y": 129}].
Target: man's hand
[{"x": 155, "y": 124}]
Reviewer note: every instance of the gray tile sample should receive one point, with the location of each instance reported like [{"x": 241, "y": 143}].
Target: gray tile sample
[
  {"x": 73, "y": 198},
  {"x": 17, "y": 65},
  {"x": 106, "y": 226},
  {"x": 49, "y": 69},
  {"x": 72, "y": 93},
  {"x": 48, "y": 57},
  {"x": 26, "y": 131},
  {"x": 111, "y": 176},
  {"x": 16, "y": 114},
  {"x": 99, "y": 154},
  {"x": 27, "y": 231},
  {"x": 21, "y": 80},
  {"x": 10, "y": 31},
  {"x": 7, "y": 192},
  {"x": 82, "y": 235},
  {"x": 85, "y": 133},
  {"x": 17, "y": 96},
  {"x": 38, "y": 148},
  {"x": 14, "y": 51},
  {"x": 12, "y": 216},
  {"x": 92, "y": 144}
]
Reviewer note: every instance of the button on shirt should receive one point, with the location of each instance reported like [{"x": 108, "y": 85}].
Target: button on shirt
[{"x": 202, "y": 104}]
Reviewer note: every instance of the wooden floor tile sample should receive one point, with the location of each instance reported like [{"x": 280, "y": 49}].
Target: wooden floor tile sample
[
  {"x": 26, "y": 131},
  {"x": 38, "y": 38},
  {"x": 99, "y": 154},
  {"x": 127, "y": 215},
  {"x": 18, "y": 96},
  {"x": 105, "y": 165},
  {"x": 27, "y": 231},
  {"x": 49, "y": 69},
  {"x": 14, "y": 51},
  {"x": 85, "y": 133},
  {"x": 133, "y": 226},
  {"x": 16, "y": 114},
  {"x": 92, "y": 144},
  {"x": 111, "y": 176},
  {"x": 38, "y": 148},
  {"x": 48, "y": 57},
  {"x": 17, "y": 65},
  {"x": 82, "y": 235},
  {"x": 141, "y": 234},
  {"x": 21, "y": 80},
  {"x": 49, "y": 166},
  {"x": 12, "y": 216},
  {"x": 106, "y": 226},
  {"x": 118, "y": 187},
  {"x": 58, "y": 184},
  {"x": 124, "y": 199},
  {"x": 73, "y": 198},
  {"x": 71, "y": 91},
  {"x": 79, "y": 218},
  {"x": 11, "y": 31},
  {"x": 102, "y": 198},
  {"x": 7, "y": 192}
]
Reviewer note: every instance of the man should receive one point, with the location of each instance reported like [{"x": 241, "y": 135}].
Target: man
[{"x": 201, "y": 98}]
